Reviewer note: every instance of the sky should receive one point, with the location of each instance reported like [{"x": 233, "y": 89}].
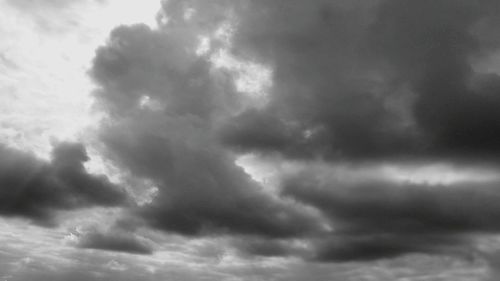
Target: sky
[{"x": 249, "y": 140}]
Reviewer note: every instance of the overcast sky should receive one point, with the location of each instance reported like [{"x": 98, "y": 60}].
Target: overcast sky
[{"x": 249, "y": 140}]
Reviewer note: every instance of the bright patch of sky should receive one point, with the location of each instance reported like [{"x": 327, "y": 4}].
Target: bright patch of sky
[{"x": 45, "y": 93}]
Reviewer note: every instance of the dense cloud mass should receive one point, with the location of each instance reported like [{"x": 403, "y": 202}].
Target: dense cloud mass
[
  {"x": 399, "y": 207},
  {"x": 371, "y": 79},
  {"x": 34, "y": 189},
  {"x": 382, "y": 218},
  {"x": 355, "y": 81},
  {"x": 169, "y": 139}
]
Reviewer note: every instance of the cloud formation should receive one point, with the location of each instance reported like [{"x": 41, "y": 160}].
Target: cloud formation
[
  {"x": 370, "y": 79},
  {"x": 115, "y": 241},
  {"x": 35, "y": 189},
  {"x": 353, "y": 81},
  {"x": 362, "y": 83},
  {"x": 377, "y": 219},
  {"x": 168, "y": 138}
]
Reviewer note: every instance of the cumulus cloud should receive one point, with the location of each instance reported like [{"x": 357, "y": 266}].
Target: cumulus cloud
[
  {"x": 200, "y": 189},
  {"x": 355, "y": 81},
  {"x": 352, "y": 87},
  {"x": 34, "y": 189},
  {"x": 352, "y": 81}
]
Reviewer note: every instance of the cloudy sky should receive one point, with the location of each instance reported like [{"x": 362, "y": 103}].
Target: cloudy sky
[{"x": 249, "y": 140}]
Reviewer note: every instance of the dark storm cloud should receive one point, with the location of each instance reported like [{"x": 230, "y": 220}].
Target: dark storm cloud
[
  {"x": 115, "y": 241},
  {"x": 352, "y": 81},
  {"x": 384, "y": 219},
  {"x": 200, "y": 189},
  {"x": 34, "y": 189},
  {"x": 455, "y": 106},
  {"x": 370, "y": 79},
  {"x": 387, "y": 206},
  {"x": 326, "y": 93}
]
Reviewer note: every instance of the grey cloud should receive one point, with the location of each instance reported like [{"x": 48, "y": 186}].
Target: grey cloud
[
  {"x": 258, "y": 248},
  {"x": 201, "y": 190},
  {"x": 323, "y": 82},
  {"x": 370, "y": 79},
  {"x": 369, "y": 247},
  {"x": 434, "y": 55},
  {"x": 385, "y": 219},
  {"x": 352, "y": 81},
  {"x": 118, "y": 241},
  {"x": 259, "y": 131},
  {"x": 34, "y": 189},
  {"x": 138, "y": 61}
]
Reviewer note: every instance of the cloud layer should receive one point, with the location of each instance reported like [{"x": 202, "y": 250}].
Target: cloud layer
[
  {"x": 34, "y": 189},
  {"x": 357, "y": 84}
]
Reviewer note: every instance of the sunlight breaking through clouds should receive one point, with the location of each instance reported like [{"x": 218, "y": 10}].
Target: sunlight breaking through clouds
[{"x": 46, "y": 93}]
